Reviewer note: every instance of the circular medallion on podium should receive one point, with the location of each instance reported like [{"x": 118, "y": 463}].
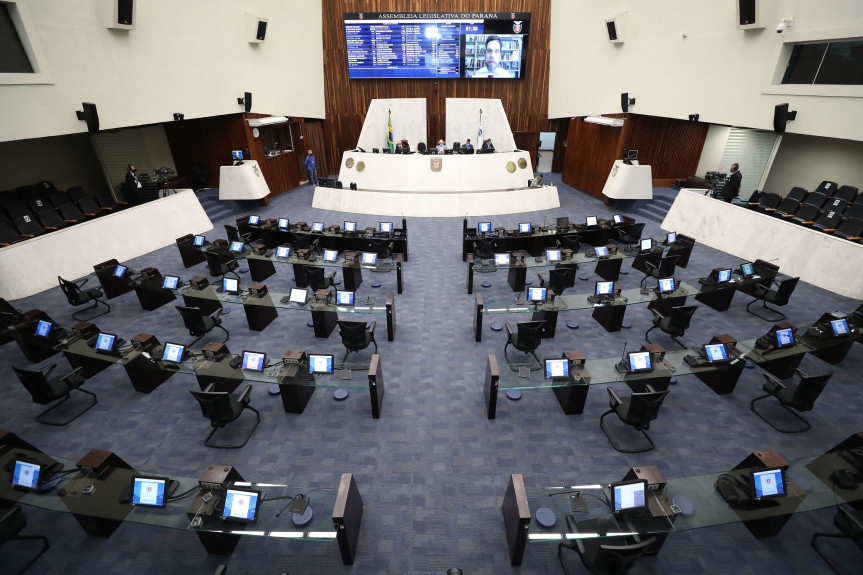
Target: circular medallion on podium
[
  {"x": 349, "y": 163},
  {"x": 510, "y": 167}
]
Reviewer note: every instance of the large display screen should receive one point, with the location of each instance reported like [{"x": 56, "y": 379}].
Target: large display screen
[{"x": 488, "y": 45}]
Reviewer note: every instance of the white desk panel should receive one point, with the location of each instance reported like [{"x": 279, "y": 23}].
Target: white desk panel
[{"x": 244, "y": 182}]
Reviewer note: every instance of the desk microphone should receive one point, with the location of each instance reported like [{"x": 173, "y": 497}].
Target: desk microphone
[{"x": 576, "y": 491}]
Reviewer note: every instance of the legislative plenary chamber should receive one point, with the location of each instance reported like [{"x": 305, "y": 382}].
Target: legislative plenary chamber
[{"x": 431, "y": 288}]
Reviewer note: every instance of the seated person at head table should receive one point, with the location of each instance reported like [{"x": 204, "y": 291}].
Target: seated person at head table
[
  {"x": 537, "y": 182},
  {"x": 467, "y": 145},
  {"x": 402, "y": 147},
  {"x": 492, "y": 67},
  {"x": 441, "y": 146},
  {"x": 487, "y": 145}
]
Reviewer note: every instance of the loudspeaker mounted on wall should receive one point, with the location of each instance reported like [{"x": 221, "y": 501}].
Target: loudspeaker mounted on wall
[
  {"x": 781, "y": 116},
  {"x": 246, "y": 101},
  {"x": 256, "y": 28},
  {"x": 90, "y": 116},
  {"x": 626, "y": 102},
  {"x": 178, "y": 116},
  {"x": 749, "y": 14},
  {"x": 611, "y": 28},
  {"x": 120, "y": 14},
  {"x": 693, "y": 117}
]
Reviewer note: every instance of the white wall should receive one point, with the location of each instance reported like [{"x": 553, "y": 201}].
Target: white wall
[
  {"x": 682, "y": 57},
  {"x": 189, "y": 56},
  {"x": 711, "y": 153},
  {"x": 806, "y": 161}
]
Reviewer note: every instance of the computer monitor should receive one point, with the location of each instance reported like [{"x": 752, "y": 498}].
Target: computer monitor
[
  {"x": 501, "y": 259},
  {"x": 646, "y": 245},
  {"x": 105, "y": 342},
  {"x": 254, "y": 361},
  {"x": 767, "y": 483},
  {"x": 715, "y": 352},
  {"x": 617, "y": 219},
  {"x": 839, "y": 326},
  {"x": 149, "y": 491},
  {"x": 173, "y": 352},
  {"x": 603, "y": 288},
  {"x": 283, "y": 252},
  {"x": 170, "y": 282},
  {"x": 524, "y": 228},
  {"x": 199, "y": 240},
  {"x": 298, "y": 295},
  {"x": 370, "y": 258},
  {"x": 784, "y": 337},
  {"x": 284, "y": 223},
  {"x": 43, "y": 327},
  {"x": 385, "y": 227},
  {"x": 483, "y": 227},
  {"x": 720, "y": 275},
  {"x": 321, "y": 363},
  {"x": 318, "y": 226},
  {"x": 628, "y": 496},
  {"x": 236, "y": 247},
  {"x": 639, "y": 361},
  {"x": 237, "y": 154},
  {"x": 666, "y": 285},
  {"x": 552, "y": 255},
  {"x": 350, "y": 226},
  {"x": 254, "y": 220},
  {"x": 562, "y": 222},
  {"x": 344, "y": 297},
  {"x": 670, "y": 238},
  {"x": 601, "y": 251},
  {"x": 537, "y": 295},
  {"x": 119, "y": 271},
  {"x": 557, "y": 368},
  {"x": 590, "y": 221},
  {"x": 747, "y": 269},
  {"x": 241, "y": 505},
  {"x": 26, "y": 475},
  {"x": 331, "y": 255},
  {"x": 230, "y": 285}
]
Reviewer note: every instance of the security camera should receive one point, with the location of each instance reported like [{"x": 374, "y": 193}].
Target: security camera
[
  {"x": 780, "y": 28},
  {"x": 784, "y": 23}
]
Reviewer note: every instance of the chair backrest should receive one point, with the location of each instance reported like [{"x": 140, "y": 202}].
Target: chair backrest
[
  {"x": 36, "y": 384},
  {"x": 808, "y": 390},
  {"x": 850, "y": 522},
  {"x": 633, "y": 234},
  {"x": 680, "y": 317},
  {"x": 816, "y": 199},
  {"x": 71, "y": 290},
  {"x": 233, "y": 233},
  {"x": 847, "y": 193},
  {"x": 850, "y": 227},
  {"x": 381, "y": 247},
  {"x": 571, "y": 242},
  {"x": 769, "y": 200},
  {"x": 560, "y": 278},
  {"x": 784, "y": 291},
  {"x": 59, "y": 198},
  {"x": 667, "y": 265},
  {"x": 353, "y": 333},
  {"x": 644, "y": 407},
  {"x": 788, "y": 205},
  {"x": 193, "y": 319},
  {"x": 77, "y": 193},
  {"x": 618, "y": 559},
  {"x": 302, "y": 242},
  {"x": 215, "y": 405},
  {"x": 826, "y": 187},
  {"x": 483, "y": 248},
  {"x": 421, "y": 147},
  {"x": 317, "y": 278},
  {"x": 529, "y": 335},
  {"x": 797, "y": 193}
]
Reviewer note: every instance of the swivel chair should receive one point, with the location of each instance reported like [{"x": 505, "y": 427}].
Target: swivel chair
[
  {"x": 526, "y": 339},
  {"x": 483, "y": 248},
  {"x": 631, "y": 236},
  {"x": 318, "y": 279},
  {"x": 45, "y": 391},
  {"x": 222, "y": 263},
  {"x": 221, "y": 408},
  {"x": 637, "y": 410},
  {"x": 779, "y": 296},
  {"x": 200, "y": 324},
  {"x": 850, "y": 523},
  {"x": 607, "y": 555},
  {"x": 355, "y": 336},
  {"x": 665, "y": 269},
  {"x": 421, "y": 147},
  {"x": 234, "y": 235},
  {"x": 382, "y": 247},
  {"x": 76, "y": 296},
  {"x": 570, "y": 242},
  {"x": 793, "y": 397},
  {"x": 558, "y": 279},
  {"x": 674, "y": 324},
  {"x": 12, "y": 522}
]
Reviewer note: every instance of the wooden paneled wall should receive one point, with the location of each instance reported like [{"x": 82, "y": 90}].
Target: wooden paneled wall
[
  {"x": 525, "y": 100},
  {"x": 591, "y": 150}
]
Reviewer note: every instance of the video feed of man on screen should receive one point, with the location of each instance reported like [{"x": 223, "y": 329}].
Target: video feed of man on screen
[{"x": 492, "y": 68}]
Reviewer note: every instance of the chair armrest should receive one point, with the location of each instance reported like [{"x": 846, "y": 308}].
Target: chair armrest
[
  {"x": 48, "y": 369},
  {"x": 650, "y": 388},
  {"x": 71, "y": 221},
  {"x": 650, "y": 266},
  {"x": 246, "y": 394},
  {"x": 807, "y": 223},
  {"x": 656, "y": 314},
  {"x": 49, "y": 228},
  {"x": 332, "y": 276},
  {"x": 372, "y": 328},
  {"x": 613, "y": 399},
  {"x": 12, "y": 511},
  {"x": 542, "y": 280},
  {"x": 81, "y": 281},
  {"x": 787, "y": 215},
  {"x": 774, "y": 384},
  {"x": 216, "y": 313},
  {"x": 800, "y": 372},
  {"x": 853, "y": 238},
  {"x": 89, "y": 214},
  {"x": 69, "y": 377},
  {"x": 508, "y": 330},
  {"x": 829, "y": 229},
  {"x": 769, "y": 209},
  {"x": 209, "y": 388}
]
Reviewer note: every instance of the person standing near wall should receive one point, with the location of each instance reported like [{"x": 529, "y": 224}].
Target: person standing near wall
[
  {"x": 732, "y": 187},
  {"x": 313, "y": 170}
]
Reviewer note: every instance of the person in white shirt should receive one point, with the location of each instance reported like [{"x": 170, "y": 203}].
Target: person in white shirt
[{"x": 492, "y": 67}]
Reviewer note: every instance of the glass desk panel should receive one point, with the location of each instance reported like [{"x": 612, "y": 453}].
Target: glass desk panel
[
  {"x": 594, "y": 372},
  {"x": 340, "y": 262},
  {"x": 494, "y": 304},
  {"x": 272, "y": 299}
]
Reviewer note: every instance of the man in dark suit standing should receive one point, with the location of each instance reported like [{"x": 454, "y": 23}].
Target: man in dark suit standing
[
  {"x": 732, "y": 186},
  {"x": 133, "y": 184}
]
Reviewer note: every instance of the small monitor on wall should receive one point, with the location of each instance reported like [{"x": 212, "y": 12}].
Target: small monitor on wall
[
  {"x": 170, "y": 282},
  {"x": 767, "y": 483},
  {"x": 784, "y": 337},
  {"x": 344, "y": 297},
  {"x": 119, "y": 271},
  {"x": 105, "y": 342},
  {"x": 591, "y": 221},
  {"x": 173, "y": 352},
  {"x": 149, "y": 491},
  {"x": 298, "y": 295},
  {"x": 283, "y": 252},
  {"x": 501, "y": 259},
  {"x": 230, "y": 285},
  {"x": 537, "y": 295},
  {"x": 254, "y": 220},
  {"x": 552, "y": 255},
  {"x": 321, "y": 363},
  {"x": 43, "y": 328},
  {"x": 317, "y": 226},
  {"x": 557, "y": 368},
  {"x": 666, "y": 285},
  {"x": 284, "y": 223},
  {"x": 254, "y": 361},
  {"x": 386, "y": 227},
  {"x": 331, "y": 255},
  {"x": 370, "y": 258},
  {"x": 241, "y": 505},
  {"x": 715, "y": 352},
  {"x": 639, "y": 361},
  {"x": 524, "y": 228},
  {"x": 350, "y": 226},
  {"x": 236, "y": 246},
  {"x": 628, "y": 496},
  {"x": 199, "y": 240},
  {"x": 839, "y": 326},
  {"x": 604, "y": 288},
  {"x": 483, "y": 227}
]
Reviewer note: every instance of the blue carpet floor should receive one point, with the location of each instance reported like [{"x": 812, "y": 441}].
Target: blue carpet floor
[{"x": 433, "y": 469}]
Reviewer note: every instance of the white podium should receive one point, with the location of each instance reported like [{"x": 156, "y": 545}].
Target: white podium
[
  {"x": 629, "y": 182},
  {"x": 243, "y": 182}
]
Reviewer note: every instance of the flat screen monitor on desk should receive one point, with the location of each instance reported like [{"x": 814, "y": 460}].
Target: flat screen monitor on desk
[
  {"x": 105, "y": 342},
  {"x": 524, "y": 228},
  {"x": 628, "y": 496},
  {"x": 149, "y": 491},
  {"x": 27, "y": 475},
  {"x": 601, "y": 251},
  {"x": 350, "y": 226},
  {"x": 785, "y": 337},
  {"x": 839, "y": 327},
  {"x": 170, "y": 282},
  {"x": 501, "y": 259},
  {"x": 603, "y": 289},
  {"x": 254, "y": 220},
  {"x": 231, "y": 285},
  {"x": 670, "y": 238},
  {"x": 557, "y": 368},
  {"x": 298, "y": 295},
  {"x": 236, "y": 247},
  {"x": 552, "y": 255},
  {"x": 591, "y": 221},
  {"x": 241, "y": 505},
  {"x": 283, "y": 252},
  {"x": 640, "y": 362},
  {"x": 715, "y": 353},
  {"x": 199, "y": 240},
  {"x": 666, "y": 285},
  {"x": 617, "y": 219},
  {"x": 43, "y": 328},
  {"x": 284, "y": 223},
  {"x": 370, "y": 258},
  {"x": 747, "y": 269},
  {"x": 386, "y": 227},
  {"x": 318, "y": 226},
  {"x": 321, "y": 363},
  {"x": 484, "y": 227},
  {"x": 254, "y": 361},
  {"x": 537, "y": 295},
  {"x": 344, "y": 297},
  {"x": 119, "y": 271},
  {"x": 646, "y": 245},
  {"x": 331, "y": 255},
  {"x": 767, "y": 483},
  {"x": 173, "y": 352},
  {"x": 720, "y": 275}
]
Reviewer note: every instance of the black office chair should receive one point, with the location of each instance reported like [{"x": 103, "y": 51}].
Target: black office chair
[
  {"x": 637, "y": 410},
  {"x": 630, "y": 236},
  {"x": 570, "y": 242},
  {"x": 421, "y": 147},
  {"x": 675, "y": 324},
  {"x": 200, "y": 324},
  {"x": 608, "y": 555},
  {"x": 44, "y": 391},
  {"x": 793, "y": 397},
  {"x": 235, "y": 236},
  {"x": 558, "y": 279},
  {"x": 779, "y": 296},
  {"x": 355, "y": 336},
  {"x": 76, "y": 296},
  {"x": 850, "y": 523},
  {"x": 526, "y": 339},
  {"x": 665, "y": 269},
  {"x": 106, "y": 201},
  {"x": 484, "y": 248},
  {"x": 221, "y": 408},
  {"x": 383, "y": 248},
  {"x": 221, "y": 263},
  {"x": 12, "y": 522},
  {"x": 318, "y": 278}
]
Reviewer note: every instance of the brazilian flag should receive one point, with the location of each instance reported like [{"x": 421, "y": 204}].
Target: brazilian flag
[{"x": 391, "y": 141}]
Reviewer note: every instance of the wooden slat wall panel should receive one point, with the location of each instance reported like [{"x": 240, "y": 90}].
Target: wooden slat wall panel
[
  {"x": 591, "y": 150},
  {"x": 525, "y": 100},
  {"x": 671, "y": 147}
]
